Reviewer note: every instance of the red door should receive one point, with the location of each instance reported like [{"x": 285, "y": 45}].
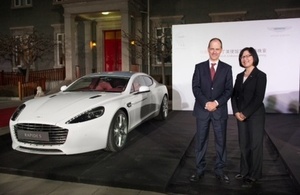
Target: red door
[{"x": 112, "y": 50}]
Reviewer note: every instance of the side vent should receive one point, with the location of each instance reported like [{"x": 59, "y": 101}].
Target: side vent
[{"x": 95, "y": 96}]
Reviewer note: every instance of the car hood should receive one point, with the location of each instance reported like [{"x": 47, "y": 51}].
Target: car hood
[{"x": 63, "y": 106}]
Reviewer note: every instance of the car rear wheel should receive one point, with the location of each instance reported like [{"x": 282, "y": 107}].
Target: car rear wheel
[
  {"x": 117, "y": 132},
  {"x": 164, "y": 109}
]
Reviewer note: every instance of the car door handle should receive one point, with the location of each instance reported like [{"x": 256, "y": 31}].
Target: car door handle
[{"x": 129, "y": 104}]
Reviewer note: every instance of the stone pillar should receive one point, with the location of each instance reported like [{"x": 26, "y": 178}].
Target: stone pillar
[
  {"x": 70, "y": 46},
  {"x": 125, "y": 44},
  {"x": 99, "y": 47},
  {"x": 88, "y": 47},
  {"x": 139, "y": 60},
  {"x": 76, "y": 58}
]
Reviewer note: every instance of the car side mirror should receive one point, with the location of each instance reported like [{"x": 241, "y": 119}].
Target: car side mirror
[
  {"x": 63, "y": 88},
  {"x": 144, "y": 89}
]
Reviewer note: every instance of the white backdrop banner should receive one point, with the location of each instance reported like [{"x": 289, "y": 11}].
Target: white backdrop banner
[{"x": 277, "y": 43}]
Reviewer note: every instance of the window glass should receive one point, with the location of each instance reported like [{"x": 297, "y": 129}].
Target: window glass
[
  {"x": 17, "y": 3},
  {"x": 148, "y": 81},
  {"x": 28, "y": 2},
  {"x": 139, "y": 81},
  {"x": 164, "y": 45},
  {"x": 99, "y": 83}
]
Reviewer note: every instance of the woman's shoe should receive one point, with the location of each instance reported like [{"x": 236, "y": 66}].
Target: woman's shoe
[
  {"x": 249, "y": 182},
  {"x": 239, "y": 177}
]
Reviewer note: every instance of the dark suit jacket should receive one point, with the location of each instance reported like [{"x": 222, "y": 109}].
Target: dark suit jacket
[
  {"x": 248, "y": 97},
  {"x": 205, "y": 90}
]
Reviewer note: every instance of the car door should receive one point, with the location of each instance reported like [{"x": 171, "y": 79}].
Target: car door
[
  {"x": 151, "y": 95},
  {"x": 139, "y": 102}
]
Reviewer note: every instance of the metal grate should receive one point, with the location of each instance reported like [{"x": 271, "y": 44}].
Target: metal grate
[{"x": 55, "y": 135}]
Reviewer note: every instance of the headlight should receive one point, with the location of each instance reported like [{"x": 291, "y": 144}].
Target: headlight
[
  {"x": 17, "y": 112},
  {"x": 88, "y": 115}
]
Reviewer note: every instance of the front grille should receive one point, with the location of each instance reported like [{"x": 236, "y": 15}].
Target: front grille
[{"x": 55, "y": 135}]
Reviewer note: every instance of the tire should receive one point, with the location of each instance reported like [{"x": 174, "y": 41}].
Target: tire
[
  {"x": 164, "y": 109},
  {"x": 118, "y": 130}
]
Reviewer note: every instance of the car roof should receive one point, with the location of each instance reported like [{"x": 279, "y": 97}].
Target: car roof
[{"x": 116, "y": 73}]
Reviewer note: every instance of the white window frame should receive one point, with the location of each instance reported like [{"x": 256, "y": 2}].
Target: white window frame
[{"x": 60, "y": 49}]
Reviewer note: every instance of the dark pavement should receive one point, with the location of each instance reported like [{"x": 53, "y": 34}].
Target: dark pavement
[{"x": 160, "y": 157}]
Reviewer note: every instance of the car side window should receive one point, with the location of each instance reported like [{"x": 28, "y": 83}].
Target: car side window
[
  {"x": 148, "y": 81},
  {"x": 139, "y": 81}
]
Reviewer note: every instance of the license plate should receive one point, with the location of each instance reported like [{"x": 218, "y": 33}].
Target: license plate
[{"x": 33, "y": 135}]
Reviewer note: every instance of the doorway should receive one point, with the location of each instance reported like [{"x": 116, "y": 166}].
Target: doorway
[{"x": 112, "y": 50}]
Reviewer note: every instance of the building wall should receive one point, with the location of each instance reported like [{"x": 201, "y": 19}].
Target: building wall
[
  {"x": 43, "y": 14},
  {"x": 40, "y": 16}
]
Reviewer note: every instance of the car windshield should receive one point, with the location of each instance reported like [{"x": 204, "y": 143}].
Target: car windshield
[{"x": 99, "y": 83}]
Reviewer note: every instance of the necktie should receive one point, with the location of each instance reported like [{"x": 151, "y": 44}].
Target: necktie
[{"x": 212, "y": 71}]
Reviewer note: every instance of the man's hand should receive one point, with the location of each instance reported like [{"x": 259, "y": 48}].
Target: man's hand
[{"x": 211, "y": 106}]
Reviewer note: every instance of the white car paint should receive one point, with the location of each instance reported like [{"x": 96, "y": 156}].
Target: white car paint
[{"x": 90, "y": 135}]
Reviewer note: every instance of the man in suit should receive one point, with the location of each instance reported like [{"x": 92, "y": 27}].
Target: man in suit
[{"x": 212, "y": 92}]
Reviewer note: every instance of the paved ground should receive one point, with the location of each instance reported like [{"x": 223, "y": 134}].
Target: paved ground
[
  {"x": 19, "y": 185},
  {"x": 282, "y": 129}
]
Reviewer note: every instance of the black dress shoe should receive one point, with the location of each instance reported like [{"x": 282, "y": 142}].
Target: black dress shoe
[
  {"x": 223, "y": 178},
  {"x": 249, "y": 182},
  {"x": 196, "y": 177},
  {"x": 239, "y": 177}
]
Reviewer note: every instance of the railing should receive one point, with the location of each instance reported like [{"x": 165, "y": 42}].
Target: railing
[
  {"x": 36, "y": 78},
  {"x": 29, "y": 88},
  {"x": 55, "y": 74}
]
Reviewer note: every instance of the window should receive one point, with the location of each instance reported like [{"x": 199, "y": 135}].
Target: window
[
  {"x": 23, "y": 54},
  {"x": 21, "y": 3},
  {"x": 59, "y": 49},
  {"x": 17, "y": 58},
  {"x": 148, "y": 81},
  {"x": 161, "y": 29},
  {"x": 55, "y": 2},
  {"x": 164, "y": 45},
  {"x": 21, "y": 43}
]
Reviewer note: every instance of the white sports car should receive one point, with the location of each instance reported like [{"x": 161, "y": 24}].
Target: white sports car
[{"x": 94, "y": 112}]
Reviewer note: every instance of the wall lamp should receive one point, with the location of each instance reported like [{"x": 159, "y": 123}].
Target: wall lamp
[{"x": 93, "y": 44}]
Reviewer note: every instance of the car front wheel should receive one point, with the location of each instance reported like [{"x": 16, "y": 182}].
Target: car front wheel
[{"x": 118, "y": 131}]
